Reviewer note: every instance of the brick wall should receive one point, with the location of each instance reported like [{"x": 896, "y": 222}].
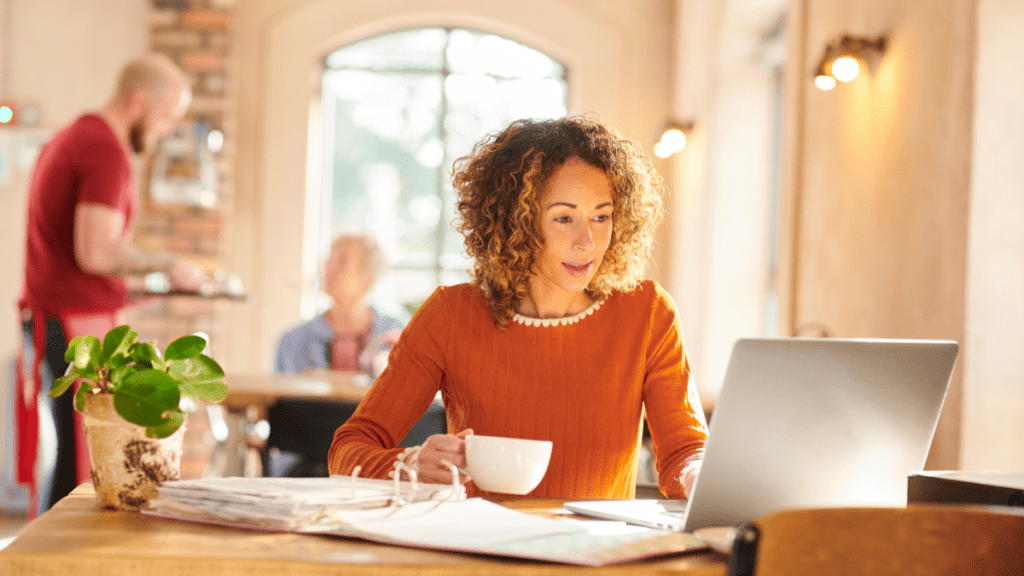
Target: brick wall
[{"x": 196, "y": 34}]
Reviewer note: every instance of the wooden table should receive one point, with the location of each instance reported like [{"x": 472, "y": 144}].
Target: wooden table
[
  {"x": 233, "y": 421},
  {"x": 245, "y": 390},
  {"x": 76, "y": 537}
]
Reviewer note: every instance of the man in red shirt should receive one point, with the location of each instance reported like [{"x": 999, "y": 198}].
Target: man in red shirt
[{"x": 81, "y": 205}]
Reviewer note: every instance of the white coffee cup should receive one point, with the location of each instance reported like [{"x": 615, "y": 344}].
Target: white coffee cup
[{"x": 506, "y": 465}]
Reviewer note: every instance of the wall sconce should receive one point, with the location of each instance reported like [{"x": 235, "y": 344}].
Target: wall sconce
[
  {"x": 844, "y": 59},
  {"x": 673, "y": 139}
]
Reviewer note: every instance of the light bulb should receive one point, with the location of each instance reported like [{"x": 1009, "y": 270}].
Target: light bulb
[
  {"x": 215, "y": 141},
  {"x": 845, "y": 68},
  {"x": 661, "y": 150},
  {"x": 824, "y": 82},
  {"x": 6, "y": 114},
  {"x": 674, "y": 139}
]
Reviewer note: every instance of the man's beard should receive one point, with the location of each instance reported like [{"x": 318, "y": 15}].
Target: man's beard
[{"x": 137, "y": 137}]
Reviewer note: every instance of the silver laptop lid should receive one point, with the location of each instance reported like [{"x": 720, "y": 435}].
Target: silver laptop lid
[{"x": 808, "y": 423}]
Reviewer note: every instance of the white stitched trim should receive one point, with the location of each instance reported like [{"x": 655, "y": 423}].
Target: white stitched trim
[{"x": 557, "y": 321}]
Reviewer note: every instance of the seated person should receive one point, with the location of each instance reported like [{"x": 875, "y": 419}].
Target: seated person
[
  {"x": 557, "y": 338},
  {"x": 351, "y": 336}
]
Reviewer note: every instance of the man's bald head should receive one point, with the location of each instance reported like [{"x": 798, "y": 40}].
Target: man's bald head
[
  {"x": 158, "y": 76},
  {"x": 153, "y": 94}
]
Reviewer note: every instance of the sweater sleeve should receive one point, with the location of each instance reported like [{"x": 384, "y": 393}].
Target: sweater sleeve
[
  {"x": 674, "y": 412},
  {"x": 399, "y": 397}
]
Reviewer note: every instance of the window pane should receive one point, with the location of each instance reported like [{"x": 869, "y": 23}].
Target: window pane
[
  {"x": 387, "y": 160},
  {"x": 408, "y": 288},
  {"x": 471, "y": 52},
  {"x": 398, "y": 115},
  {"x": 420, "y": 49}
]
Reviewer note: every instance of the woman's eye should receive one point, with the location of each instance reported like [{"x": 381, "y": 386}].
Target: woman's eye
[
  {"x": 563, "y": 219},
  {"x": 602, "y": 218}
]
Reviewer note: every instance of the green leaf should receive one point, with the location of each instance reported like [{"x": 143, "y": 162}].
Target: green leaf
[
  {"x": 185, "y": 347},
  {"x": 175, "y": 418},
  {"x": 205, "y": 391},
  {"x": 146, "y": 354},
  {"x": 118, "y": 374},
  {"x": 83, "y": 390},
  {"x": 200, "y": 377},
  {"x": 118, "y": 341},
  {"x": 61, "y": 385},
  {"x": 88, "y": 353},
  {"x": 144, "y": 397},
  {"x": 69, "y": 354},
  {"x": 202, "y": 368},
  {"x": 117, "y": 362}
]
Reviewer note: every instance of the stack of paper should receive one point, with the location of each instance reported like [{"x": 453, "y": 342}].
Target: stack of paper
[
  {"x": 428, "y": 517},
  {"x": 291, "y": 504}
]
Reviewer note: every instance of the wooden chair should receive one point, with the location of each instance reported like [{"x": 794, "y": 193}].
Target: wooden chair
[{"x": 917, "y": 540}]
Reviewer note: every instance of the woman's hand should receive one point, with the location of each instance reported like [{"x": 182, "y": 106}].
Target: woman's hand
[
  {"x": 688, "y": 476},
  {"x": 440, "y": 448}
]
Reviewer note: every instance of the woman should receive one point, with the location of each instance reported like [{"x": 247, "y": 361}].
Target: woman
[
  {"x": 352, "y": 330},
  {"x": 351, "y": 336},
  {"x": 556, "y": 338}
]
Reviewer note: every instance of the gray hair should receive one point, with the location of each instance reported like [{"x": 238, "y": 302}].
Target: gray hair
[{"x": 375, "y": 261}]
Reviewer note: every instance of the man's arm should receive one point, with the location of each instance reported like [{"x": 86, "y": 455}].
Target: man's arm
[{"x": 100, "y": 249}]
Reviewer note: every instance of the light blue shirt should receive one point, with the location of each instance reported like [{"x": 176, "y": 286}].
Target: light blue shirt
[{"x": 309, "y": 345}]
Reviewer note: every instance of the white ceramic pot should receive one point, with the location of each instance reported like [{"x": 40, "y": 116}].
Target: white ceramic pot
[{"x": 127, "y": 466}]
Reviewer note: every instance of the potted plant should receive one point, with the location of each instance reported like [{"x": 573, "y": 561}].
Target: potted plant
[{"x": 131, "y": 397}]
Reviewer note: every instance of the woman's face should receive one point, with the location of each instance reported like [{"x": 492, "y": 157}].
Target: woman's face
[
  {"x": 577, "y": 227},
  {"x": 345, "y": 280}
]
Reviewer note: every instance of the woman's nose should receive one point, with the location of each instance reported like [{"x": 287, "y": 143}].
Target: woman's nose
[{"x": 584, "y": 239}]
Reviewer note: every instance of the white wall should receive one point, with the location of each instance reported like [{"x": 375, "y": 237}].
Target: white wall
[
  {"x": 993, "y": 395},
  {"x": 722, "y": 178}
]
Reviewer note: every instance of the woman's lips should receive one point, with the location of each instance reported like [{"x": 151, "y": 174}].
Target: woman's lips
[{"x": 577, "y": 269}]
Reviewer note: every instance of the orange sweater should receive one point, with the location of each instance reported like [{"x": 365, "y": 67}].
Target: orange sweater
[{"x": 582, "y": 385}]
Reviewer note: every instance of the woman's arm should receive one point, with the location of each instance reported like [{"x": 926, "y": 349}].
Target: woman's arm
[
  {"x": 398, "y": 398},
  {"x": 674, "y": 413}
]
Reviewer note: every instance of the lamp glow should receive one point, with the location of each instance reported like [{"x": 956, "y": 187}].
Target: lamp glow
[
  {"x": 215, "y": 141},
  {"x": 6, "y": 114},
  {"x": 824, "y": 82},
  {"x": 845, "y": 68},
  {"x": 845, "y": 57},
  {"x": 674, "y": 139}
]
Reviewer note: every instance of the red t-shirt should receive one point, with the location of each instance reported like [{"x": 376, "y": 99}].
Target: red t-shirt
[{"x": 83, "y": 162}]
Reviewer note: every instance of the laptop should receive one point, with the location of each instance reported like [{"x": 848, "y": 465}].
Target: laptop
[{"x": 807, "y": 423}]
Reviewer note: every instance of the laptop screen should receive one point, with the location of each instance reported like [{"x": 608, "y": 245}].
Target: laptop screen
[{"x": 809, "y": 423}]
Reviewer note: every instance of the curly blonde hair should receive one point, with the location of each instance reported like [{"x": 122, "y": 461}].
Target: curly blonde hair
[{"x": 501, "y": 184}]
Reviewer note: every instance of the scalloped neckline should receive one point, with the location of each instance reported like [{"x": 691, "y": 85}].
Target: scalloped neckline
[{"x": 527, "y": 321}]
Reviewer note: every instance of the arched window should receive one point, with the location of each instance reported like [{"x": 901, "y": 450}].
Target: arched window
[{"x": 398, "y": 109}]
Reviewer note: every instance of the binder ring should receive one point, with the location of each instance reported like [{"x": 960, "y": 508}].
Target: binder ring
[{"x": 400, "y": 467}]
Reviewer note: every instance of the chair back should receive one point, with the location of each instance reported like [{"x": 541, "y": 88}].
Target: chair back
[{"x": 919, "y": 539}]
